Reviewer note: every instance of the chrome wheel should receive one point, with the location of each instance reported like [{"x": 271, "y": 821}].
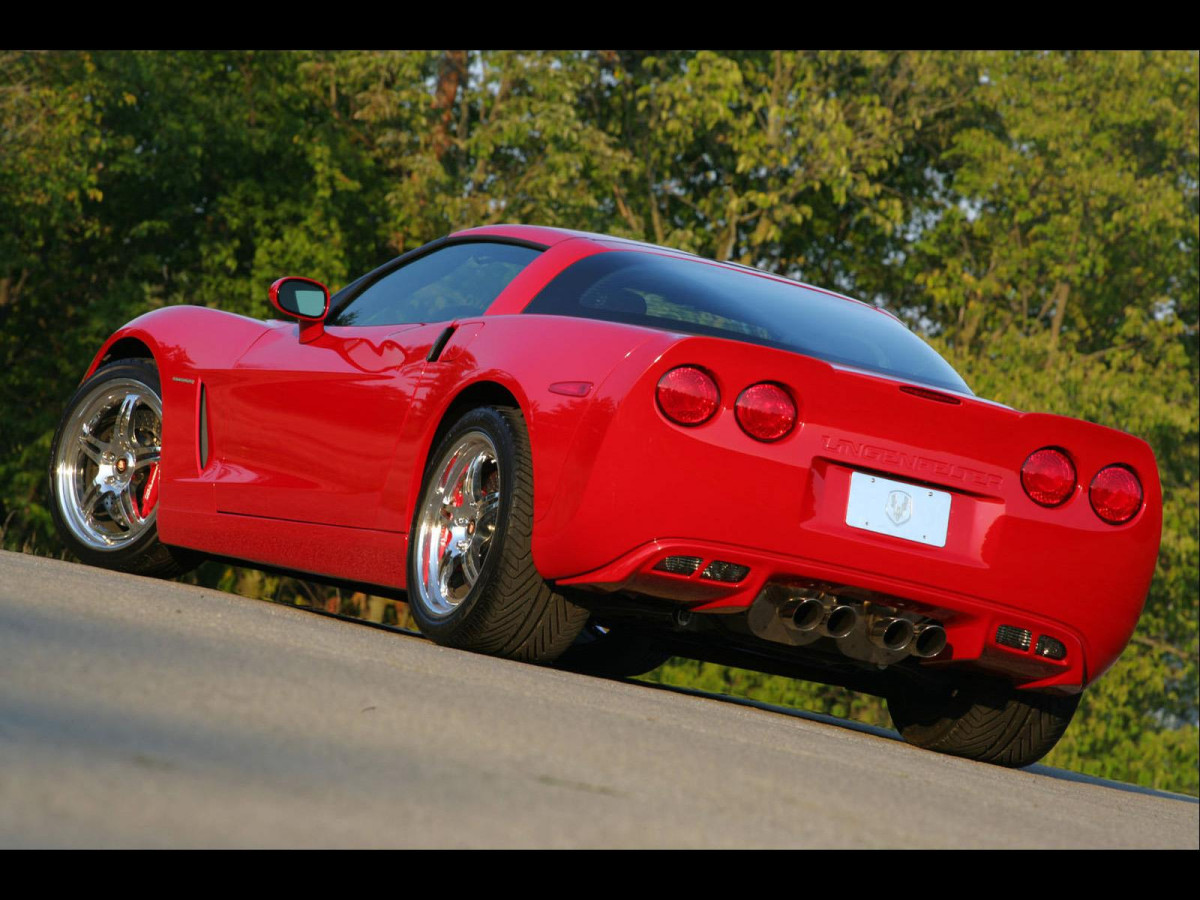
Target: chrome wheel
[
  {"x": 105, "y": 467},
  {"x": 457, "y": 523}
]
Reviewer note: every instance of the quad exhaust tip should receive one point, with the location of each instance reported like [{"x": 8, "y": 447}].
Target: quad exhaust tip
[
  {"x": 809, "y": 615},
  {"x": 881, "y": 636},
  {"x": 928, "y": 640},
  {"x": 891, "y": 634},
  {"x": 841, "y": 621}
]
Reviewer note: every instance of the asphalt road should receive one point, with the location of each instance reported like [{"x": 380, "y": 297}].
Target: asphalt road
[{"x": 141, "y": 713}]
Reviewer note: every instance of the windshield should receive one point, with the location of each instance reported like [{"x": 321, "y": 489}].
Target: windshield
[{"x": 695, "y": 297}]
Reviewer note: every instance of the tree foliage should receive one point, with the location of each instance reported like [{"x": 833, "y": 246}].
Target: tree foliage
[{"x": 1033, "y": 214}]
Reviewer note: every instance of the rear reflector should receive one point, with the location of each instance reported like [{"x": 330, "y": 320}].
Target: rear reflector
[
  {"x": 679, "y": 565},
  {"x": 725, "y": 571},
  {"x": 1048, "y": 476},
  {"x": 1116, "y": 494},
  {"x": 1011, "y": 636},
  {"x": 1050, "y": 648},
  {"x": 765, "y": 411},
  {"x": 688, "y": 396}
]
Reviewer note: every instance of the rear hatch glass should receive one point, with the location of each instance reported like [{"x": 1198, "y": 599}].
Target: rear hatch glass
[{"x": 695, "y": 297}]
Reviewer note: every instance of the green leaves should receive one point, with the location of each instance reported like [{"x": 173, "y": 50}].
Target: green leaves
[{"x": 1065, "y": 198}]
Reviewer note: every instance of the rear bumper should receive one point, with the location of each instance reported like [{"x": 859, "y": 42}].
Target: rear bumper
[{"x": 971, "y": 622}]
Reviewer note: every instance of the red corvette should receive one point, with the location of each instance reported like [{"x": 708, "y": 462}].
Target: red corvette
[{"x": 565, "y": 446}]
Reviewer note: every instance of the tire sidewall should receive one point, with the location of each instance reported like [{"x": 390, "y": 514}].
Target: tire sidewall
[
  {"x": 991, "y": 721},
  {"x": 491, "y": 423},
  {"x": 119, "y": 557}
]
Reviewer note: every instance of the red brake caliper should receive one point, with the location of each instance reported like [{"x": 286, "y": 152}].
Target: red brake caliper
[{"x": 150, "y": 494}]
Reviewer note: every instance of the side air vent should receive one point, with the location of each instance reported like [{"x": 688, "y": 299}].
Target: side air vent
[
  {"x": 440, "y": 344},
  {"x": 203, "y": 436}
]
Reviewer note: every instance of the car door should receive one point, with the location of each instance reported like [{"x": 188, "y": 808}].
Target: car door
[{"x": 309, "y": 432}]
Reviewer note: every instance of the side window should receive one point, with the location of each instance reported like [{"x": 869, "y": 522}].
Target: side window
[{"x": 452, "y": 283}]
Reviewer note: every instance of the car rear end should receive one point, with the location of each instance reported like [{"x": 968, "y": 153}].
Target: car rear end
[{"x": 1024, "y": 542}]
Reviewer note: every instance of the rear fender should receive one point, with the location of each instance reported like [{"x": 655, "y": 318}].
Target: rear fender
[{"x": 524, "y": 356}]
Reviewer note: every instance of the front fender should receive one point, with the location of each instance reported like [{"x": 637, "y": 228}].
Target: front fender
[{"x": 186, "y": 338}]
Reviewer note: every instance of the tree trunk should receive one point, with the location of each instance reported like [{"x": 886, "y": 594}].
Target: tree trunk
[{"x": 451, "y": 73}]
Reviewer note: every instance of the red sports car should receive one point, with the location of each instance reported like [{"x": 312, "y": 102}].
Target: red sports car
[{"x": 565, "y": 446}]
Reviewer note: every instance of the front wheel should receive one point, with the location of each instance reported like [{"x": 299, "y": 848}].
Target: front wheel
[
  {"x": 989, "y": 721},
  {"x": 104, "y": 467},
  {"x": 472, "y": 583}
]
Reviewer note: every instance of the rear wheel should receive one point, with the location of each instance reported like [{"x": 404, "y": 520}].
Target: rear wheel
[
  {"x": 988, "y": 721},
  {"x": 472, "y": 583},
  {"x": 104, "y": 466}
]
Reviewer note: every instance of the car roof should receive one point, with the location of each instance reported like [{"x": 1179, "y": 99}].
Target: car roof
[{"x": 548, "y": 236}]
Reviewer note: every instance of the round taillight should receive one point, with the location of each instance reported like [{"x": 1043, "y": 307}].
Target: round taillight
[
  {"x": 1116, "y": 494},
  {"x": 1048, "y": 476},
  {"x": 688, "y": 395},
  {"x": 765, "y": 411}
]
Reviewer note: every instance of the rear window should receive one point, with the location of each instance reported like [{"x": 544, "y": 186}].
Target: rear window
[{"x": 694, "y": 297}]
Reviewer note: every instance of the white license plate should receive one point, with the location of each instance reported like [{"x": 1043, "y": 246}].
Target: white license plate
[{"x": 901, "y": 510}]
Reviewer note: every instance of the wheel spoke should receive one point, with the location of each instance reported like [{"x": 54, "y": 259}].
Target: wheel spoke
[
  {"x": 473, "y": 481},
  {"x": 489, "y": 507},
  {"x": 126, "y": 511},
  {"x": 145, "y": 458},
  {"x": 93, "y": 448},
  {"x": 123, "y": 429},
  {"x": 445, "y": 576},
  {"x": 451, "y": 476},
  {"x": 87, "y": 503},
  {"x": 471, "y": 563},
  {"x": 446, "y": 555},
  {"x": 113, "y": 506}
]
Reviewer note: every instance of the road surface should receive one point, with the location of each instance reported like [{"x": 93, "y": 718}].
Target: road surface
[{"x": 143, "y": 713}]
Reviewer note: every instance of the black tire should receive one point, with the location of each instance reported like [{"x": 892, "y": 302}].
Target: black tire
[
  {"x": 138, "y": 550},
  {"x": 615, "y": 653},
  {"x": 991, "y": 722},
  {"x": 508, "y": 610}
]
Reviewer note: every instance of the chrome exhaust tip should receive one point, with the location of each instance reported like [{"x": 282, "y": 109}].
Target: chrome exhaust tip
[
  {"x": 891, "y": 634},
  {"x": 808, "y": 615},
  {"x": 928, "y": 640},
  {"x": 840, "y": 622}
]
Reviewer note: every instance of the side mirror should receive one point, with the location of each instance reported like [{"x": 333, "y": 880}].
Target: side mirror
[{"x": 303, "y": 299}]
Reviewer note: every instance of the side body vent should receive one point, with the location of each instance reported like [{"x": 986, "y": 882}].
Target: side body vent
[{"x": 203, "y": 428}]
